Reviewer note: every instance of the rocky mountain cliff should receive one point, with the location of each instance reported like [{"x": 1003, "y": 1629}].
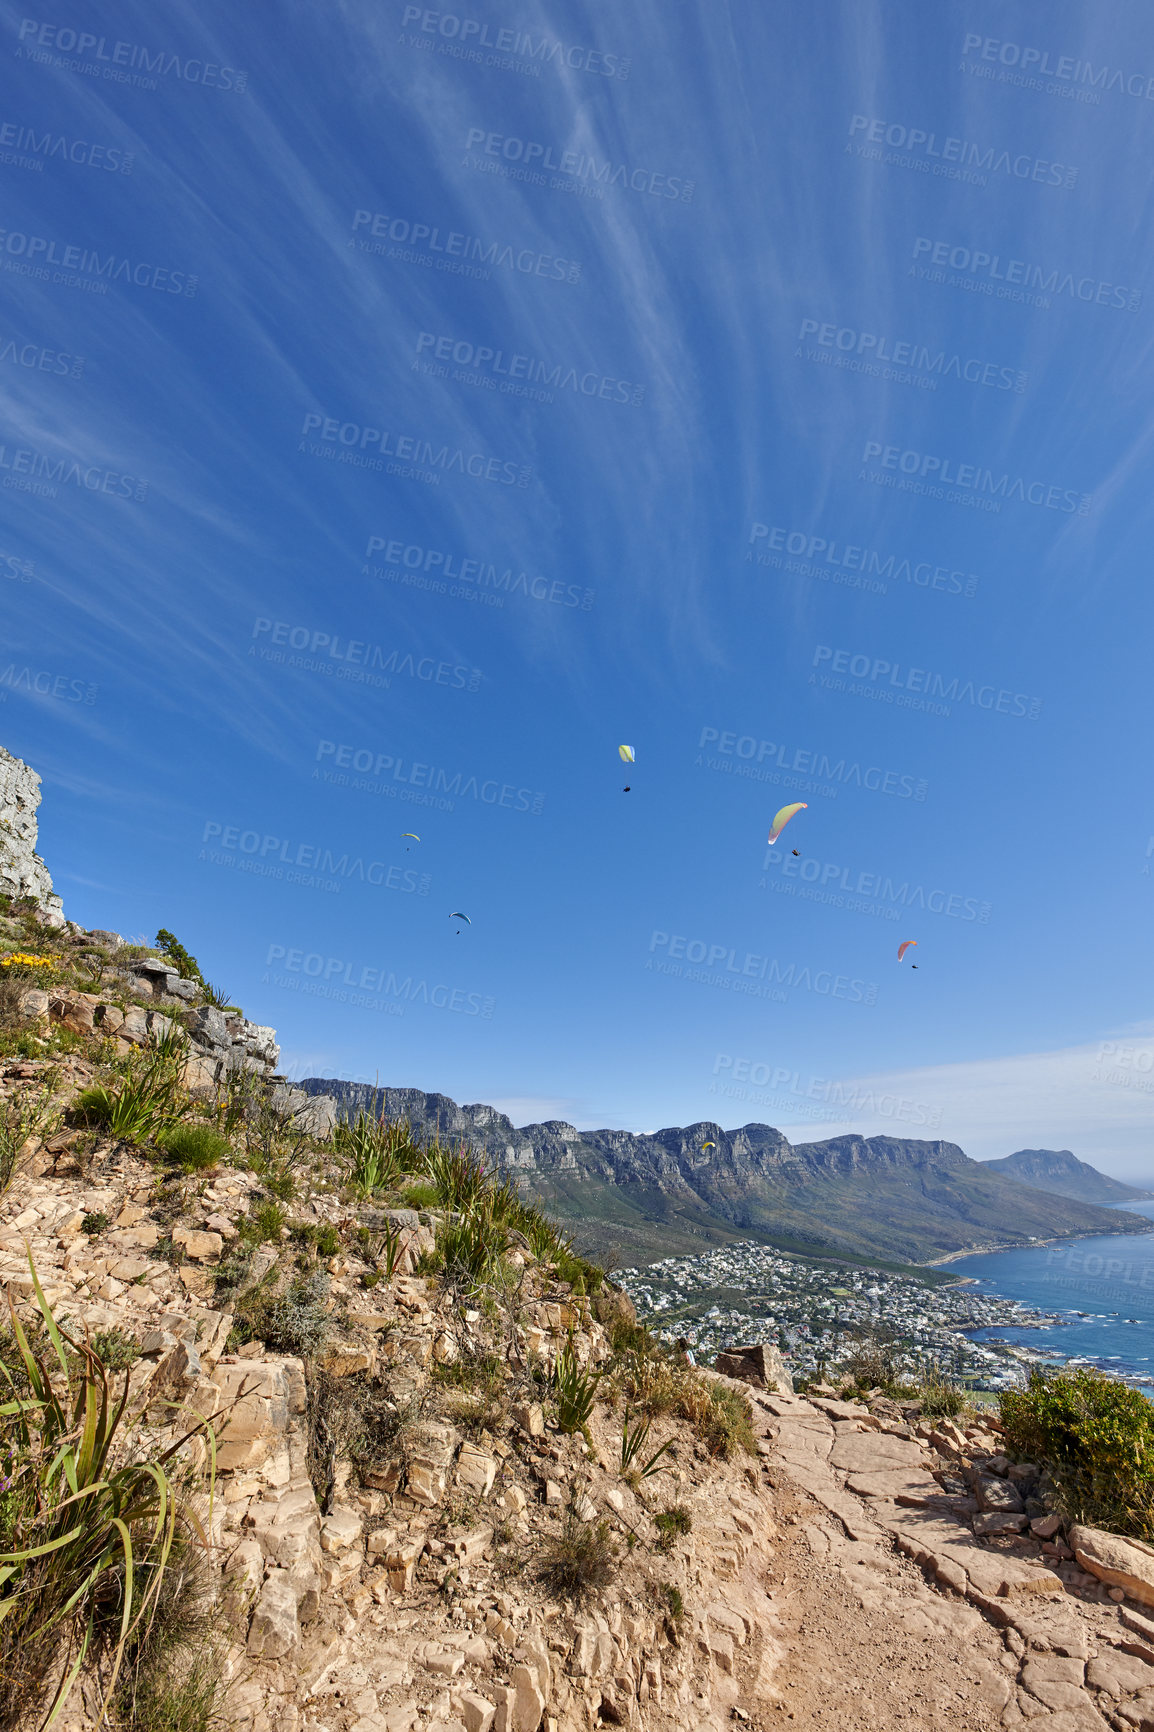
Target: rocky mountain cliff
[
  {"x": 1060, "y": 1171},
  {"x": 23, "y": 873},
  {"x": 646, "y": 1196}
]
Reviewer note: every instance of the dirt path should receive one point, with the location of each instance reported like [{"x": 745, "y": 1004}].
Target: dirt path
[{"x": 869, "y": 1646}]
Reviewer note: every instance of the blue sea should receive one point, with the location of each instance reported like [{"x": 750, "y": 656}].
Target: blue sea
[{"x": 1102, "y": 1288}]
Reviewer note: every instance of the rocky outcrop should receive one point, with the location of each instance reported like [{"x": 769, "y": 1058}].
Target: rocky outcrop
[
  {"x": 761, "y": 1365},
  {"x": 23, "y": 873},
  {"x": 892, "y": 1197},
  {"x": 1127, "y": 1564}
]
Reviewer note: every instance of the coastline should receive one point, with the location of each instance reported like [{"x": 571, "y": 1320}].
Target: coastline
[{"x": 1032, "y": 1245}]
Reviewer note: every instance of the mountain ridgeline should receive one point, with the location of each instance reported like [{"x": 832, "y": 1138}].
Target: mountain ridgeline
[
  {"x": 1060, "y": 1171},
  {"x": 642, "y": 1197}
]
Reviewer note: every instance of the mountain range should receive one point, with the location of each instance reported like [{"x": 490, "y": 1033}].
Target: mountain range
[
  {"x": 636, "y": 1197},
  {"x": 1059, "y": 1170}
]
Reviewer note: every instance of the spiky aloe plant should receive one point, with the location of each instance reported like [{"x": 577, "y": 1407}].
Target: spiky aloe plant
[{"x": 88, "y": 1521}]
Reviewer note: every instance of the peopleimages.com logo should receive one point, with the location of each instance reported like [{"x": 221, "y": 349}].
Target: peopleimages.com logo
[
  {"x": 956, "y": 158},
  {"x": 122, "y": 62},
  {"x": 765, "y": 760},
  {"x": 453, "y": 251},
  {"x": 368, "y": 986},
  {"x": 937, "y": 473},
  {"x": 474, "y": 33},
  {"x": 519, "y": 375},
  {"x": 355, "y": 443},
  {"x": 873, "y": 349},
  {"x": 825, "y": 1090},
  {"x": 1018, "y": 279},
  {"x": 84, "y": 267},
  {"x": 385, "y": 773},
  {"x": 956, "y": 691},
  {"x": 1036, "y": 62},
  {"x": 744, "y": 975},
  {"x": 828, "y": 881},
  {"x": 448, "y": 572},
  {"x": 533, "y": 158},
  {"x": 274, "y": 852},
  {"x": 358, "y": 656},
  {"x": 816, "y": 554}
]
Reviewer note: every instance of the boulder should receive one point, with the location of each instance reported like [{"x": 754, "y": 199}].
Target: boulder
[
  {"x": 520, "y": 1703},
  {"x": 999, "y": 1496},
  {"x": 198, "y": 1247},
  {"x": 275, "y": 1629},
  {"x": 476, "y": 1471},
  {"x": 341, "y": 1528},
  {"x": 1126, "y": 1564},
  {"x": 761, "y": 1365}
]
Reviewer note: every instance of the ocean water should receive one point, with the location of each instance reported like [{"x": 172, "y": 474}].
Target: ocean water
[{"x": 1102, "y": 1288}]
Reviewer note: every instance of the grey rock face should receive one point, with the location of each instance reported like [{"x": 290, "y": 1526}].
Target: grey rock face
[
  {"x": 314, "y": 1114},
  {"x": 22, "y": 871}
]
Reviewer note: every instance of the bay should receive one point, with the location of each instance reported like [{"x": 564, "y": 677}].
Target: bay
[{"x": 1102, "y": 1288}]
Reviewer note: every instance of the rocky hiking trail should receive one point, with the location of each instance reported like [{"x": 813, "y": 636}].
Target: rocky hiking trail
[
  {"x": 835, "y": 1579},
  {"x": 823, "y": 1562}
]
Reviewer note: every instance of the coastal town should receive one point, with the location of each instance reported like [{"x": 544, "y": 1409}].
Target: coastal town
[{"x": 819, "y": 1313}]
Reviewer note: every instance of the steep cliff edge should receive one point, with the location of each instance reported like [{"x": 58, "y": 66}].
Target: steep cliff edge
[
  {"x": 644, "y": 1197},
  {"x": 23, "y": 873}
]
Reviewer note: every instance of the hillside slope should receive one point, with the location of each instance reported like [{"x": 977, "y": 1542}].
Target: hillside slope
[
  {"x": 1060, "y": 1171},
  {"x": 649, "y": 1196}
]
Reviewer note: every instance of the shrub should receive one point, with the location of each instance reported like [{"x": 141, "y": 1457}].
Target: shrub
[
  {"x": 266, "y": 1224},
  {"x": 21, "y": 1116},
  {"x": 673, "y": 1599},
  {"x": 293, "y": 1320},
  {"x": 89, "y": 1523},
  {"x": 173, "y": 1678},
  {"x": 458, "y": 1178},
  {"x": 633, "y": 1443},
  {"x": 656, "y": 1383},
  {"x": 1096, "y": 1437},
  {"x": 671, "y": 1524},
  {"x": 388, "y": 1252},
  {"x": 27, "y": 965},
  {"x": 149, "y": 1098},
  {"x": 470, "y": 1247},
  {"x": 574, "y": 1390},
  {"x": 94, "y": 1222},
  {"x": 317, "y": 1239},
  {"x": 115, "y": 1349},
  {"x": 420, "y": 1195},
  {"x": 375, "y": 1153},
  {"x": 872, "y": 1364},
  {"x": 193, "y": 1148},
  {"x": 939, "y": 1399},
  {"x": 580, "y": 1560},
  {"x": 184, "y": 964}
]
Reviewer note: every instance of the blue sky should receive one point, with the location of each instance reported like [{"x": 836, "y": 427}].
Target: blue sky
[{"x": 406, "y": 405}]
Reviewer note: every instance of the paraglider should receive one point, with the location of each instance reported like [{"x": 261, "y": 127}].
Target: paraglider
[
  {"x": 705, "y": 1146},
  {"x": 904, "y": 946},
  {"x": 457, "y": 915},
  {"x": 783, "y": 818},
  {"x": 412, "y": 837},
  {"x": 796, "y": 852},
  {"x": 626, "y": 754}
]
